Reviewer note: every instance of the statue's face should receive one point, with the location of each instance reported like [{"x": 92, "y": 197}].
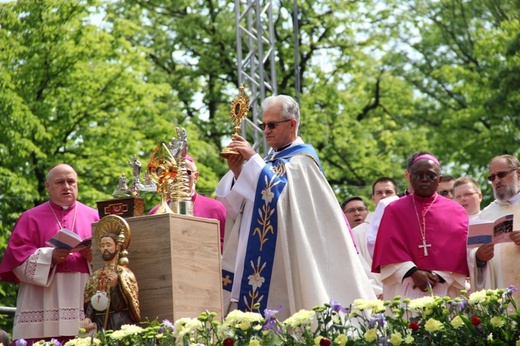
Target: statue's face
[{"x": 108, "y": 248}]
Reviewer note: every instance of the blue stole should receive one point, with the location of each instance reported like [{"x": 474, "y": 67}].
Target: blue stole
[{"x": 261, "y": 245}]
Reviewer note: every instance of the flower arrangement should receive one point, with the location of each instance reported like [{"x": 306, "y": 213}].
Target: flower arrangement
[{"x": 488, "y": 317}]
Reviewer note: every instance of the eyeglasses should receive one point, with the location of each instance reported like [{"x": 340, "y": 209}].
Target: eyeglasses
[
  {"x": 421, "y": 176},
  {"x": 272, "y": 125},
  {"x": 465, "y": 195},
  {"x": 353, "y": 210},
  {"x": 501, "y": 175},
  {"x": 190, "y": 171},
  {"x": 444, "y": 192}
]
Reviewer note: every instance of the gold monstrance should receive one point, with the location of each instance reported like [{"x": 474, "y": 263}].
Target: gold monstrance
[
  {"x": 237, "y": 112},
  {"x": 163, "y": 169}
]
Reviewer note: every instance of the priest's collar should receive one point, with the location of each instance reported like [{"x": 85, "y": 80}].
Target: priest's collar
[
  {"x": 273, "y": 152},
  {"x": 424, "y": 199},
  {"x": 284, "y": 147},
  {"x": 64, "y": 207},
  {"x": 513, "y": 200}
]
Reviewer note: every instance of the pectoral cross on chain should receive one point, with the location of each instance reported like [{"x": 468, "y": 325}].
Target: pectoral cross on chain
[{"x": 424, "y": 246}]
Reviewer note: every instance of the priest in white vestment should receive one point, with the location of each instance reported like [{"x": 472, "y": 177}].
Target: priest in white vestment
[
  {"x": 287, "y": 245},
  {"x": 504, "y": 175}
]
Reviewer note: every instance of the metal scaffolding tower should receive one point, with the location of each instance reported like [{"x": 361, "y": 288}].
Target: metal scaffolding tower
[{"x": 256, "y": 61}]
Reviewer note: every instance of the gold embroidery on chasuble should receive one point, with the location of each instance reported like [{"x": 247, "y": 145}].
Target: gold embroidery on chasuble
[{"x": 263, "y": 230}]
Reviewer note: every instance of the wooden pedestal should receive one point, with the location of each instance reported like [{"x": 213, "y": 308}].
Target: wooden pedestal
[{"x": 176, "y": 260}]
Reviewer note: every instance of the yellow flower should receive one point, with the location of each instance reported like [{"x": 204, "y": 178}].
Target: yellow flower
[
  {"x": 396, "y": 339},
  {"x": 432, "y": 325},
  {"x": 244, "y": 325},
  {"x": 254, "y": 342},
  {"x": 371, "y": 335},
  {"x": 302, "y": 317},
  {"x": 497, "y": 321},
  {"x": 341, "y": 340},
  {"x": 408, "y": 340},
  {"x": 420, "y": 303},
  {"x": 457, "y": 322},
  {"x": 317, "y": 340},
  {"x": 374, "y": 305}
]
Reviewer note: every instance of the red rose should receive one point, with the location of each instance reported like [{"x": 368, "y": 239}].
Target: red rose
[
  {"x": 475, "y": 321},
  {"x": 228, "y": 342},
  {"x": 325, "y": 342},
  {"x": 413, "y": 326}
]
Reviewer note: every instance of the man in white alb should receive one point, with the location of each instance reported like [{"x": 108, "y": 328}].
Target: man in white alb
[
  {"x": 289, "y": 245},
  {"x": 504, "y": 175}
]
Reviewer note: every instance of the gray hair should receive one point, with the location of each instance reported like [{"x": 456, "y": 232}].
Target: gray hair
[
  {"x": 510, "y": 160},
  {"x": 290, "y": 108}
]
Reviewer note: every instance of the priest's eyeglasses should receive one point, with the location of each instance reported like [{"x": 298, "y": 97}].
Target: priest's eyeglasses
[
  {"x": 421, "y": 176},
  {"x": 501, "y": 175},
  {"x": 272, "y": 124}
]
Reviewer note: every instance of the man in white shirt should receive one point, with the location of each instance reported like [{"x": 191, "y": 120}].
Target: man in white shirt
[{"x": 382, "y": 188}]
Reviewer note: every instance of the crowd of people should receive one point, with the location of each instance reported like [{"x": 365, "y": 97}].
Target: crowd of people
[
  {"x": 417, "y": 241},
  {"x": 287, "y": 243}
]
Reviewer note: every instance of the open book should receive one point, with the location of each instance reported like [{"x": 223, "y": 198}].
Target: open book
[
  {"x": 69, "y": 240},
  {"x": 483, "y": 231}
]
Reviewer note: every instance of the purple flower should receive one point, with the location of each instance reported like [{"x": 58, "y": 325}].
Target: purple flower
[
  {"x": 510, "y": 290},
  {"x": 271, "y": 323},
  {"x": 55, "y": 342},
  {"x": 270, "y": 314},
  {"x": 335, "y": 306},
  {"x": 462, "y": 305},
  {"x": 168, "y": 324},
  {"x": 378, "y": 319},
  {"x": 383, "y": 341},
  {"x": 21, "y": 342}
]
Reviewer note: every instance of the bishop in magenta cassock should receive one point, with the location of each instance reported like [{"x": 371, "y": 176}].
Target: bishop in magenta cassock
[
  {"x": 52, "y": 281},
  {"x": 422, "y": 237}
]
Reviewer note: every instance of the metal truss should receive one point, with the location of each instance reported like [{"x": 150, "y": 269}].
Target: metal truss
[{"x": 256, "y": 61}]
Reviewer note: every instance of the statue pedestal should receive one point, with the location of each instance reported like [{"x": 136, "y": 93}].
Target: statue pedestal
[{"x": 176, "y": 260}]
